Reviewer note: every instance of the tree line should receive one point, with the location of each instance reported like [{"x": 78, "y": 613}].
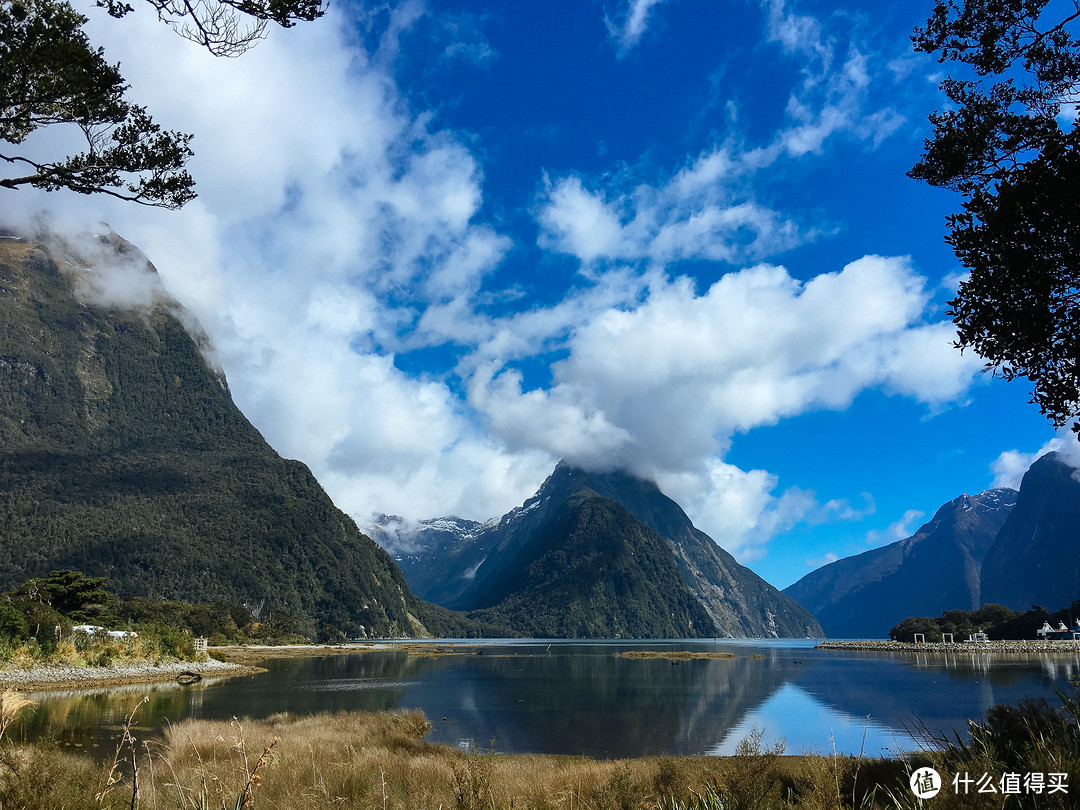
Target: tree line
[
  {"x": 42, "y": 611},
  {"x": 997, "y": 621}
]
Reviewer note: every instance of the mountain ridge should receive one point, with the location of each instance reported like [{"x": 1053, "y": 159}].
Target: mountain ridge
[
  {"x": 471, "y": 558},
  {"x": 936, "y": 568},
  {"x": 123, "y": 455},
  {"x": 1005, "y": 547},
  {"x": 1038, "y": 539},
  {"x": 593, "y": 572}
]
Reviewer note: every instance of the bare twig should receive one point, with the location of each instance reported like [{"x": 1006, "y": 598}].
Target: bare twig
[{"x": 112, "y": 777}]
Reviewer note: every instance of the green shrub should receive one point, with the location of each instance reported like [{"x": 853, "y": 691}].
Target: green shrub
[
  {"x": 173, "y": 644},
  {"x": 43, "y": 777},
  {"x": 754, "y": 780},
  {"x": 13, "y": 623},
  {"x": 1031, "y": 736}
]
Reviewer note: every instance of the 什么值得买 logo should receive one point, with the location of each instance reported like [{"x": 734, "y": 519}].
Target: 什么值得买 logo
[{"x": 925, "y": 783}]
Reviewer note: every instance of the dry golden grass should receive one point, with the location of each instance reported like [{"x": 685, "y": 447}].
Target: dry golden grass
[
  {"x": 382, "y": 762},
  {"x": 23, "y": 657},
  {"x": 366, "y": 760},
  {"x": 12, "y": 704},
  {"x": 90, "y": 651}
]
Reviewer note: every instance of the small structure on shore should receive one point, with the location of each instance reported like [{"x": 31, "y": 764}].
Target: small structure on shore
[
  {"x": 1048, "y": 633},
  {"x": 97, "y": 630}
]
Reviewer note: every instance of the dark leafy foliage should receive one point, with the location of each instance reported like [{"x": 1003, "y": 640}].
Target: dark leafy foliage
[
  {"x": 1006, "y": 141},
  {"x": 34, "y": 609},
  {"x": 997, "y": 621},
  {"x": 51, "y": 75},
  {"x": 76, "y": 596},
  {"x": 1025, "y": 68},
  {"x": 1030, "y": 737},
  {"x": 1020, "y": 308},
  {"x": 224, "y": 27}
]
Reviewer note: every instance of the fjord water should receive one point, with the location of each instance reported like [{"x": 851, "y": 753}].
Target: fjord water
[{"x": 580, "y": 698}]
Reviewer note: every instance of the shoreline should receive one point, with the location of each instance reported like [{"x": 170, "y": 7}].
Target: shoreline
[
  {"x": 996, "y": 647},
  {"x": 64, "y": 676},
  {"x": 242, "y": 661},
  {"x": 245, "y": 655}
]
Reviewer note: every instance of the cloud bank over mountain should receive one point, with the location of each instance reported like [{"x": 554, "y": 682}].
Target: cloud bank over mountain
[{"x": 430, "y": 343}]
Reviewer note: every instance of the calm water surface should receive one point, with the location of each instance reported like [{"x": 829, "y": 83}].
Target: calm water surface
[{"x": 579, "y": 698}]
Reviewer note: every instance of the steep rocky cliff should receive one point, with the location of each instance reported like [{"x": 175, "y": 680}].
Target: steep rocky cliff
[{"x": 123, "y": 455}]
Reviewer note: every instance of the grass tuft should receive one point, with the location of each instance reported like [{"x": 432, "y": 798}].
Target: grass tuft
[{"x": 382, "y": 761}]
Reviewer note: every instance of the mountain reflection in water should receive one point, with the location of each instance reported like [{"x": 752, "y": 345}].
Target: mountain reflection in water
[{"x": 580, "y": 698}]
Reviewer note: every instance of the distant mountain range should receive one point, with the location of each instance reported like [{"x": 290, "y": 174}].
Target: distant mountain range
[
  {"x": 122, "y": 455},
  {"x": 866, "y": 595},
  {"x": 998, "y": 547},
  {"x": 591, "y": 555}
]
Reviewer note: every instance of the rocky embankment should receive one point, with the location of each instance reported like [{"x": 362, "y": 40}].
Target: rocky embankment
[
  {"x": 63, "y": 676},
  {"x": 1034, "y": 646}
]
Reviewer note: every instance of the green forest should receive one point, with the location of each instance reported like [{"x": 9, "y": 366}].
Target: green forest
[
  {"x": 596, "y": 572},
  {"x": 38, "y": 617},
  {"x": 997, "y": 621},
  {"x": 122, "y": 455}
]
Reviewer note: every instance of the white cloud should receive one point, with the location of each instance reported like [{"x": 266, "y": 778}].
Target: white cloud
[
  {"x": 581, "y": 222},
  {"x": 897, "y": 530},
  {"x": 662, "y": 381},
  {"x": 328, "y": 223},
  {"x": 1009, "y": 467},
  {"x": 710, "y": 207},
  {"x": 754, "y": 348},
  {"x": 106, "y": 277},
  {"x": 628, "y": 26},
  {"x": 924, "y": 363},
  {"x": 338, "y": 229},
  {"x": 741, "y": 509},
  {"x": 701, "y": 213},
  {"x": 837, "y": 90},
  {"x": 467, "y": 40},
  {"x": 797, "y": 33},
  {"x": 825, "y": 559}
]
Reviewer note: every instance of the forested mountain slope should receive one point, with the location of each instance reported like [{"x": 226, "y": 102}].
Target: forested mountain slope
[
  {"x": 471, "y": 566},
  {"x": 123, "y": 455}
]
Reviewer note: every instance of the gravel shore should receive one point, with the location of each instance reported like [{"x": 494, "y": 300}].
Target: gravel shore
[
  {"x": 71, "y": 677},
  {"x": 1034, "y": 646}
]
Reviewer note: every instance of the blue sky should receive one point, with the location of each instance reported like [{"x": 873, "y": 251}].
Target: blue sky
[{"x": 440, "y": 245}]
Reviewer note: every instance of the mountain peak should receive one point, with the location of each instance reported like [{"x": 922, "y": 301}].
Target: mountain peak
[
  {"x": 166, "y": 487},
  {"x": 1033, "y": 559},
  {"x": 935, "y": 569},
  {"x": 738, "y": 601}
]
